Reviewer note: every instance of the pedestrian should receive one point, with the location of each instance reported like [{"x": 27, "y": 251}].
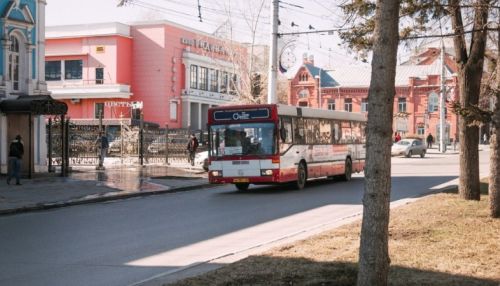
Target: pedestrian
[
  {"x": 102, "y": 147},
  {"x": 485, "y": 138},
  {"x": 16, "y": 152},
  {"x": 455, "y": 142},
  {"x": 191, "y": 148},
  {"x": 397, "y": 137},
  {"x": 430, "y": 140}
]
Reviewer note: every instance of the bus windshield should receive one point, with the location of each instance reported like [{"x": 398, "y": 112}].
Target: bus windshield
[{"x": 243, "y": 139}]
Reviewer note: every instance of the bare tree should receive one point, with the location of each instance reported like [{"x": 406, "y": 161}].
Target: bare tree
[
  {"x": 373, "y": 253},
  {"x": 470, "y": 65},
  {"x": 494, "y": 180}
]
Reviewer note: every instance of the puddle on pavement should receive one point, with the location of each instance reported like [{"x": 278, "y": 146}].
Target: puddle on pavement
[{"x": 130, "y": 179}]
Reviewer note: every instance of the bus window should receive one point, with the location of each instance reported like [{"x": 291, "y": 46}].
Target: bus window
[
  {"x": 312, "y": 130},
  {"x": 286, "y": 133},
  {"x": 299, "y": 135},
  {"x": 325, "y": 131},
  {"x": 346, "y": 132},
  {"x": 336, "y": 133}
]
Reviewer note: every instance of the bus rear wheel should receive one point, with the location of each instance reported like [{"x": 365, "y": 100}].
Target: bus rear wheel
[
  {"x": 242, "y": 186},
  {"x": 348, "y": 170},
  {"x": 301, "y": 176}
]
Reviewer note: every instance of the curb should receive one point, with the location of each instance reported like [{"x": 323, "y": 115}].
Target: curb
[{"x": 76, "y": 202}]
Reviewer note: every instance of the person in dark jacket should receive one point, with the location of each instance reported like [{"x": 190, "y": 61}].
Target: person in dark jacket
[
  {"x": 102, "y": 146},
  {"x": 16, "y": 152},
  {"x": 191, "y": 148},
  {"x": 430, "y": 140}
]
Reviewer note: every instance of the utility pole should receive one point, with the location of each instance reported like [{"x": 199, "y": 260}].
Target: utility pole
[
  {"x": 273, "y": 59},
  {"x": 442, "y": 103}
]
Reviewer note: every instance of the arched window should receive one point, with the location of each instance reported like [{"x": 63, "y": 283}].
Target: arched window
[{"x": 14, "y": 62}]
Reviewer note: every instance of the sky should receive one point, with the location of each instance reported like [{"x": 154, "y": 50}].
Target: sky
[{"x": 214, "y": 13}]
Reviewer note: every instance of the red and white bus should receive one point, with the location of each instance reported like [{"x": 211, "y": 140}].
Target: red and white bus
[{"x": 273, "y": 143}]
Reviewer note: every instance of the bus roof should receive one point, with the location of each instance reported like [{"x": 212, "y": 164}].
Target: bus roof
[
  {"x": 319, "y": 113},
  {"x": 298, "y": 111}
]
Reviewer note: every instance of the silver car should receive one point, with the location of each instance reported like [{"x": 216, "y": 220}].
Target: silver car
[{"x": 409, "y": 147}]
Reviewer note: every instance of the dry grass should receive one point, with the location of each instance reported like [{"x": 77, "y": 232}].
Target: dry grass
[{"x": 438, "y": 240}]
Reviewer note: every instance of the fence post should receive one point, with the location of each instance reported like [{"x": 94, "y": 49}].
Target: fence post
[
  {"x": 49, "y": 144},
  {"x": 66, "y": 127},
  {"x": 121, "y": 138},
  {"x": 141, "y": 139},
  {"x": 166, "y": 144},
  {"x": 63, "y": 147}
]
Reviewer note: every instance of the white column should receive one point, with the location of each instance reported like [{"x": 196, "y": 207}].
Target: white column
[
  {"x": 40, "y": 47},
  {"x": 200, "y": 126}
]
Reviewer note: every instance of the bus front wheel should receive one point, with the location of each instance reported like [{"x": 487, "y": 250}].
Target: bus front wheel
[
  {"x": 301, "y": 176},
  {"x": 242, "y": 186}
]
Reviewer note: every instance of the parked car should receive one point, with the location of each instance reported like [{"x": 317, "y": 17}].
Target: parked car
[
  {"x": 409, "y": 147},
  {"x": 201, "y": 159},
  {"x": 158, "y": 145}
]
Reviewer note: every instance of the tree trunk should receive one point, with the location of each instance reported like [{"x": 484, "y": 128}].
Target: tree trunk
[
  {"x": 469, "y": 76},
  {"x": 373, "y": 253},
  {"x": 469, "y": 186},
  {"x": 494, "y": 180}
]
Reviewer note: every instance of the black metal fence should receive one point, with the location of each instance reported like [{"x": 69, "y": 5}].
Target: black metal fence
[{"x": 128, "y": 144}]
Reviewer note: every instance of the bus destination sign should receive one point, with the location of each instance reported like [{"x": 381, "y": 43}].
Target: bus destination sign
[{"x": 248, "y": 114}]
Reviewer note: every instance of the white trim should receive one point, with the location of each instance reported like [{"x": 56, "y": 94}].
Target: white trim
[{"x": 88, "y": 30}]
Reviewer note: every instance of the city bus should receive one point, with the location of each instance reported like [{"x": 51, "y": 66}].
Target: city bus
[{"x": 274, "y": 144}]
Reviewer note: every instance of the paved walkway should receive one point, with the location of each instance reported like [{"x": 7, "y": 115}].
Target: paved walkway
[{"x": 87, "y": 185}]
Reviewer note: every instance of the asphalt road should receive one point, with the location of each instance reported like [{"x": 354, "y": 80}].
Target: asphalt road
[{"x": 128, "y": 242}]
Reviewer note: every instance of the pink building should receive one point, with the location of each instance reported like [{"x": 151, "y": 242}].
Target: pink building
[{"x": 171, "y": 73}]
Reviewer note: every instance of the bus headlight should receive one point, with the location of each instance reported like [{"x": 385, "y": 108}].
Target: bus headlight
[
  {"x": 266, "y": 172},
  {"x": 216, "y": 173}
]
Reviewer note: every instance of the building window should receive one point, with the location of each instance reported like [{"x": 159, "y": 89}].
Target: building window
[
  {"x": 99, "y": 110},
  {"x": 52, "y": 70},
  {"x": 433, "y": 104},
  {"x": 223, "y": 84},
  {"x": 214, "y": 80},
  {"x": 14, "y": 62},
  {"x": 136, "y": 113},
  {"x": 304, "y": 93},
  {"x": 348, "y": 104},
  {"x": 364, "y": 105},
  {"x": 173, "y": 110},
  {"x": 402, "y": 104},
  {"x": 203, "y": 78},
  {"x": 331, "y": 104},
  {"x": 99, "y": 75},
  {"x": 304, "y": 77},
  {"x": 73, "y": 69},
  {"x": 420, "y": 130},
  {"x": 193, "y": 78}
]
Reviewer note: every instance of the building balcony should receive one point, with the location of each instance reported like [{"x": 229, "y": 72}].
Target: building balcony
[{"x": 87, "y": 90}]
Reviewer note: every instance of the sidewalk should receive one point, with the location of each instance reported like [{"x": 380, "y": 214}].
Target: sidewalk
[{"x": 87, "y": 185}]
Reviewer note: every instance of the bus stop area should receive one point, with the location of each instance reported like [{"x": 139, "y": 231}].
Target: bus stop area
[{"x": 87, "y": 185}]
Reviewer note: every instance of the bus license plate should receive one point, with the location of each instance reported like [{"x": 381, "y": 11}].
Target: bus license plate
[{"x": 241, "y": 180}]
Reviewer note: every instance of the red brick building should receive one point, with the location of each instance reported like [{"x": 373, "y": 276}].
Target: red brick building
[{"x": 416, "y": 106}]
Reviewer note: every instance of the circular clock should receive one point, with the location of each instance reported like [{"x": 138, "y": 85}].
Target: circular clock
[{"x": 287, "y": 58}]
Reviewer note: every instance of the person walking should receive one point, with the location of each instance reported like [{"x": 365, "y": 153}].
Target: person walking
[
  {"x": 430, "y": 140},
  {"x": 16, "y": 152},
  {"x": 191, "y": 148},
  {"x": 102, "y": 148}
]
